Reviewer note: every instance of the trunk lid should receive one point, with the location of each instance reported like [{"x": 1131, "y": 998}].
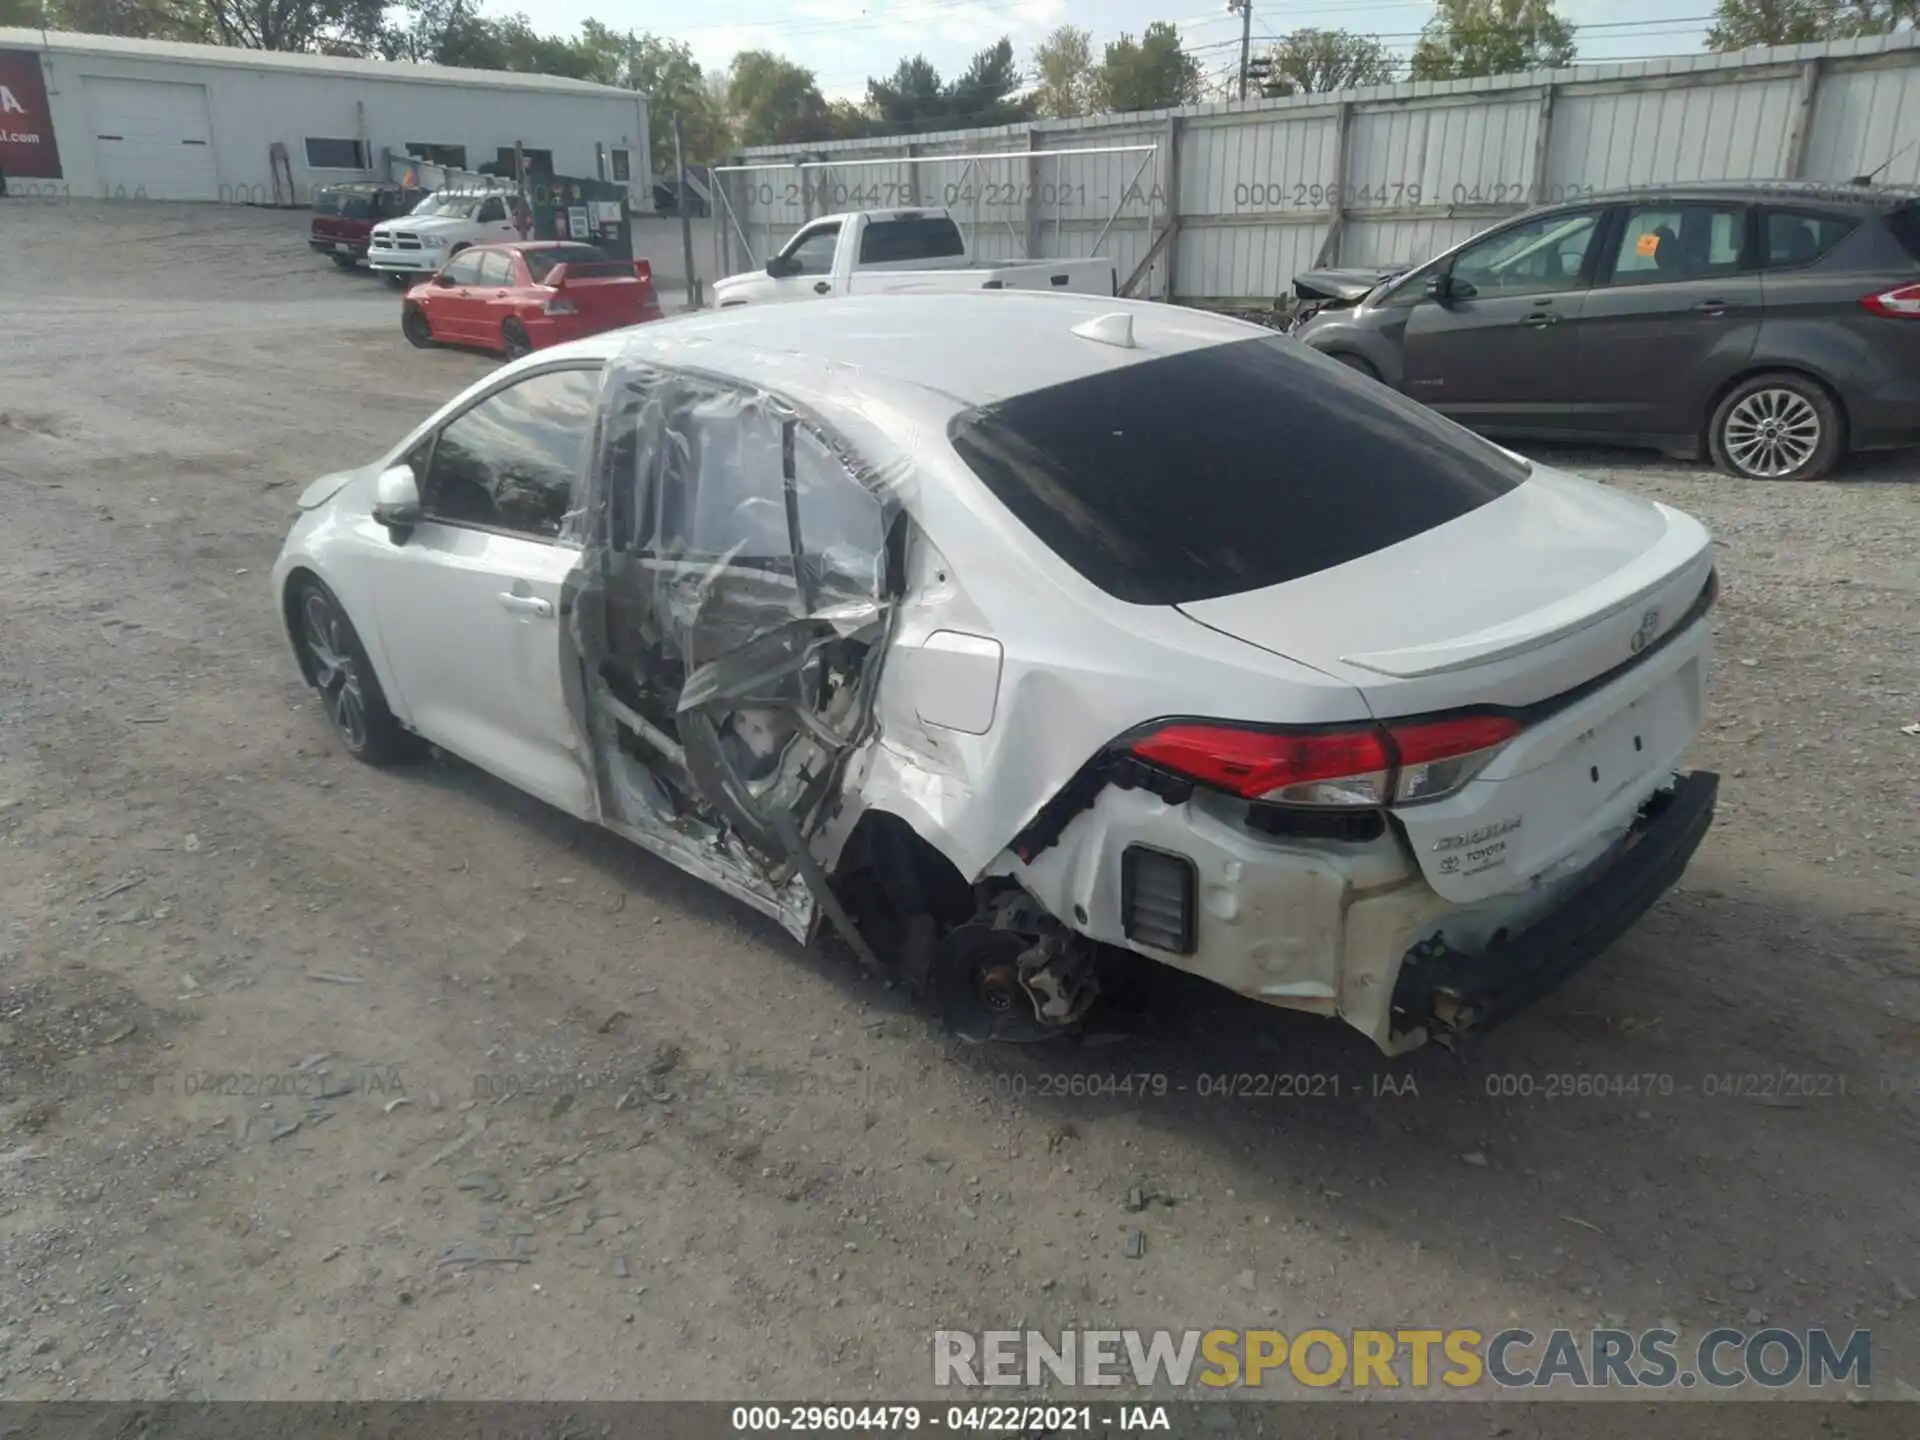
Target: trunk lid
[
  {"x": 607, "y": 289},
  {"x": 1518, "y": 600},
  {"x": 1554, "y": 602}
]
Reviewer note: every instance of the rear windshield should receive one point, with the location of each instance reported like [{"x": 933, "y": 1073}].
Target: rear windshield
[
  {"x": 1905, "y": 224},
  {"x": 576, "y": 258},
  {"x": 1226, "y": 469},
  {"x": 925, "y": 237}
]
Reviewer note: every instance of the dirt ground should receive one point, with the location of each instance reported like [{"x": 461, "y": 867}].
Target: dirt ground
[{"x": 323, "y": 1082}]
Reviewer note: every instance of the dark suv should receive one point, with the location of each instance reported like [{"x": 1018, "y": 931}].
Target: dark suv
[
  {"x": 344, "y": 216},
  {"x": 1773, "y": 325}
]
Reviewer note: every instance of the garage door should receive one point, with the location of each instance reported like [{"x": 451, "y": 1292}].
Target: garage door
[{"x": 152, "y": 136}]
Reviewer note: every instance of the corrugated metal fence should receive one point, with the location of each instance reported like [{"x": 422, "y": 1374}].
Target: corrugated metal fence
[{"x": 1225, "y": 203}]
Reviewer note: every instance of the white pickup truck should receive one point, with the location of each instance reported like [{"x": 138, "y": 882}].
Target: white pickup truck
[
  {"x": 874, "y": 252},
  {"x": 439, "y": 227}
]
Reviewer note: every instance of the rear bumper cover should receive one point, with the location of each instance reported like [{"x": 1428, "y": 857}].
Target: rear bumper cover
[{"x": 1447, "y": 991}]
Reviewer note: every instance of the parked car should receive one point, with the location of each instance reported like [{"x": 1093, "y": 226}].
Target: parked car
[
  {"x": 1773, "y": 326},
  {"x": 344, "y": 217},
  {"x": 898, "y": 252},
  {"x": 513, "y": 299},
  {"x": 440, "y": 227},
  {"x": 1007, "y": 631}
]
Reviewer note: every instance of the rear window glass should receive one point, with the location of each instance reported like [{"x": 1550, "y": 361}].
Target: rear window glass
[
  {"x": 1905, "y": 225},
  {"x": 354, "y": 204},
  {"x": 1800, "y": 237},
  {"x": 932, "y": 237},
  {"x": 1225, "y": 469},
  {"x": 540, "y": 263}
]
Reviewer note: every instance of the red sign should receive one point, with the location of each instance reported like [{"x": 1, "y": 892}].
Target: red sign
[{"x": 26, "y": 122}]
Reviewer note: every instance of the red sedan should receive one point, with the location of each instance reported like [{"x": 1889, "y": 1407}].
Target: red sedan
[{"x": 519, "y": 297}]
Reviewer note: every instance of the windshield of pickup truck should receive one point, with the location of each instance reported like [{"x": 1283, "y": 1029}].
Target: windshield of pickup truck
[
  {"x": 458, "y": 207},
  {"x": 350, "y": 204},
  {"x": 918, "y": 237}
]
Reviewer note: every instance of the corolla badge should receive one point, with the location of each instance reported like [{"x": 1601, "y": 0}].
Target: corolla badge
[{"x": 1649, "y": 627}]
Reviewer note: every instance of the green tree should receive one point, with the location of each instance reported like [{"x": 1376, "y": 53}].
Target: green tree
[
  {"x": 1152, "y": 73},
  {"x": 984, "y": 92},
  {"x": 1310, "y": 61},
  {"x": 1468, "y": 38},
  {"x": 672, "y": 80},
  {"x": 912, "y": 99},
  {"x": 774, "y": 101},
  {"x": 140, "y": 19},
  {"x": 1063, "y": 74},
  {"x": 334, "y": 27},
  {"x": 1741, "y": 24},
  {"x": 849, "y": 120}
]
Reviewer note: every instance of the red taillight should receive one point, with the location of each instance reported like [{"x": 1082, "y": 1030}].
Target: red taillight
[
  {"x": 1256, "y": 763},
  {"x": 1341, "y": 765},
  {"x": 1903, "y": 303}
]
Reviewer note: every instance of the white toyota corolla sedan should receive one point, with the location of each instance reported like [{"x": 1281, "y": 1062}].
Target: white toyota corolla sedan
[{"x": 1002, "y": 632}]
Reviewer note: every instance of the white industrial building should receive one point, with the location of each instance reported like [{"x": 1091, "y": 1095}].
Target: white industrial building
[{"x": 107, "y": 118}]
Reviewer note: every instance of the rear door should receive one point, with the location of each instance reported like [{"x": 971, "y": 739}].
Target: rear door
[
  {"x": 448, "y": 300},
  {"x": 469, "y": 606},
  {"x": 745, "y": 581},
  {"x": 1675, "y": 311},
  {"x": 1499, "y": 352},
  {"x": 493, "y": 297}
]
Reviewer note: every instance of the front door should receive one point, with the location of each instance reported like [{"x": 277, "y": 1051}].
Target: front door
[
  {"x": 1497, "y": 350},
  {"x": 447, "y": 300},
  {"x": 1674, "y": 311},
  {"x": 807, "y": 270},
  {"x": 470, "y": 608}
]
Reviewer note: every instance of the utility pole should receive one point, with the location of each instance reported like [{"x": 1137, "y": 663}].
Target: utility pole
[
  {"x": 683, "y": 202},
  {"x": 1245, "y": 10}
]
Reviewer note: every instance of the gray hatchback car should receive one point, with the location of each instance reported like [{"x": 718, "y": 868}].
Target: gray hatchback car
[{"x": 1774, "y": 326}]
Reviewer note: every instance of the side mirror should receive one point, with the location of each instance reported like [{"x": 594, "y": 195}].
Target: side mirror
[
  {"x": 396, "y": 502},
  {"x": 1440, "y": 287},
  {"x": 443, "y": 279},
  {"x": 777, "y": 268}
]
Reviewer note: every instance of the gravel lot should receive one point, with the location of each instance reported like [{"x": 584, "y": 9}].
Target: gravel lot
[{"x": 521, "y": 1112}]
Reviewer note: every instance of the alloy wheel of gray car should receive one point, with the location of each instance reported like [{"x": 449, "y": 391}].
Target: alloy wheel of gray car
[{"x": 1776, "y": 427}]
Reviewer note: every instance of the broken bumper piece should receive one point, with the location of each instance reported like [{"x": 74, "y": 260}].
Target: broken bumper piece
[{"x": 1449, "y": 992}]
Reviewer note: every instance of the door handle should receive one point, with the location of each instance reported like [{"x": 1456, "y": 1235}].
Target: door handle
[
  {"x": 526, "y": 604},
  {"x": 821, "y": 287},
  {"x": 1713, "y": 307},
  {"x": 1539, "y": 320}
]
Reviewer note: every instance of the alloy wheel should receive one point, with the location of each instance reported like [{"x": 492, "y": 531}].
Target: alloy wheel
[
  {"x": 335, "y": 673},
  {"x": 1772, "y": 432}
]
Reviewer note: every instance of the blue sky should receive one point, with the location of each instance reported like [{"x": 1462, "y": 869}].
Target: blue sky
[{"x": 844, "y": 41}]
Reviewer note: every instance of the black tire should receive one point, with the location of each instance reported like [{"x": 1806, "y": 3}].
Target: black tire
[
  {"x": 398, "y": 279},
  {"x": 1777, "y": 426},
  {"x": 336, "y": 665},
  {"x": 413, "y": 325},
  {"x": 345, "y": 262},
  {"x": 1355, "y": 362},
  {"x": 513, "y": 339}
]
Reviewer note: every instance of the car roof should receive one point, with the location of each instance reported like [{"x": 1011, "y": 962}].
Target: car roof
[
  {"x": 1864, "y": 197},
  {"x": 975, "y": 347}
]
